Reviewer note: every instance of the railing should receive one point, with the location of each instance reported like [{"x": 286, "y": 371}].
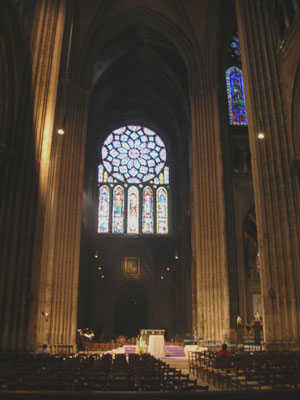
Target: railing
[
  {"x": 98, "y": 346},
  {"x": 62, "y": 348}
]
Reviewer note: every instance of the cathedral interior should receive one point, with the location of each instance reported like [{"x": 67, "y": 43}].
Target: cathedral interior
[{"x": 149, "y": 170}]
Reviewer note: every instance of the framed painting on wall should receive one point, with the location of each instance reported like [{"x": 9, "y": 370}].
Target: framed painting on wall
[{"x": 132, "y": 266}]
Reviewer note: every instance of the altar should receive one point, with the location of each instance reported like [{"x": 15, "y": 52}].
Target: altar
[
  {"x": 155, "y": 341},
  {"x": 146, "y": 333},
  {"x": 156, "y": 346}
]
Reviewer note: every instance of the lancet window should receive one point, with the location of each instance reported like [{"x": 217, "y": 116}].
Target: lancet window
[
  {"x": 236, "y": 96},
  {"x": 257, "y": 265}
]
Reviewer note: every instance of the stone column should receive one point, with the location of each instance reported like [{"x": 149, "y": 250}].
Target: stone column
[
  {"x": 60, "y": 166},
  {"x": 195, "y": 327},
  {"x": 277, "y": 197},
  {"x": 45, "y": 47},
  {"x": 208, "y": 229},
  {"x": 67, "y": 170},
  {"x": 55, "y": 310}
]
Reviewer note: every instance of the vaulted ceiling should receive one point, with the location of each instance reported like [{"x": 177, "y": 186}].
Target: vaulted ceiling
[
  {"x": 139, "y": 77},
  {"x": 140, "y": 58}
]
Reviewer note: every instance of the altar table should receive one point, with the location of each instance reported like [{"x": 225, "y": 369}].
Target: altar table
[{"x": 156, "y": 346}]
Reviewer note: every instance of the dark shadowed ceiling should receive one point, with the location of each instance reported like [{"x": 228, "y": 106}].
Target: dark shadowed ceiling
[{"x": 138, "y": 77}]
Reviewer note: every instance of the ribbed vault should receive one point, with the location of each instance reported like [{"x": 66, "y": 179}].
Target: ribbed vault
[{"x": 139, "y": 77}]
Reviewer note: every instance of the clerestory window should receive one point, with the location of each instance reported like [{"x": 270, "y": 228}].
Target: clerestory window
[{"x": 236, "y": 96}]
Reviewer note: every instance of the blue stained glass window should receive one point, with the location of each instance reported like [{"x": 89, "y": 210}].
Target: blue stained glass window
[
  {"x": 103, "y": 210},
  {"x": 118, "y": 210},
  {"x": 236, "y": 97},
  {"x": 147, "y": 219},
  {"x": 234, "y": 49}
]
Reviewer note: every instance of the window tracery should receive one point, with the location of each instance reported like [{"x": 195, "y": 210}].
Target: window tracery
[{"x": 133, "y": 180}]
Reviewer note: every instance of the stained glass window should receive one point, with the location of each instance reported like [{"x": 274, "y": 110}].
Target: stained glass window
[
  {"x": 236, "y": 97},
  {"x": 133, "y": 154},
  {"x": 133, "y": 210},
  {"x": 118, "y": 210},
  {"x": 133, "y": 180},
  {"x": 103, "y": 210},
  {"x": 234, "y": 47},
  {"x": 100, "y": 173},
  {"x": 258, "y": 265},
  {"x": 162, "y": 210},
  {"x": 147, "y": 219}
]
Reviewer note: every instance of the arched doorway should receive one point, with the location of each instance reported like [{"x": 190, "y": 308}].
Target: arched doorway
[{"x": 131, "y": 312}]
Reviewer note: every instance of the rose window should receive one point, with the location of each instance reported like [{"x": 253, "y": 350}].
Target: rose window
[
  {"x": 133, "y": 154},
  {"x": 133, "y": 181}
]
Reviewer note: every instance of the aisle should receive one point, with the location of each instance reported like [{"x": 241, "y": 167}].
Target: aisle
[{"x": 183, "y": 364}]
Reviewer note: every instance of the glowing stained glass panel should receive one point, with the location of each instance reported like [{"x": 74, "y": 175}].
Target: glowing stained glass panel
[
  {"x": 147, "y": 216},
  {"x": 103, "y": 210},
  {"x": 166, "y": 173},
  {"x": 234, "y": 49},
  {"x": 161, "y": 178},
  {"x": 162, "y": 210},
  {"x": 236, "y": 97},
  {"x": 137, "y": 146},
  {"x": 100, "y": 173},
  {"x": 118, "y": 210},
  {"x": 133, "y": 210},
  {"x": 258, "y": 265}
]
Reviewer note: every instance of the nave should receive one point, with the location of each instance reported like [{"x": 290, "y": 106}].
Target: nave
[{"x": 261, "y": 374}]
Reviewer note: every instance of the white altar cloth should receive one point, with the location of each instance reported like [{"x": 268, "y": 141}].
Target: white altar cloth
[{"x": 156, "y": 346}]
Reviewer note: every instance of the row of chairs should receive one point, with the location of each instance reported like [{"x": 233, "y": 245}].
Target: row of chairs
[
  {"x": 104, "y": 372},
  {"x": 260, "y": 370},
  {"x": 44, "y": 372},
  {"x": 156, "y": 375}
]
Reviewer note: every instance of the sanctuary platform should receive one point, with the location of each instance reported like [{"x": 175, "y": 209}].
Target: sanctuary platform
[{"x": 170, "y": 351}]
